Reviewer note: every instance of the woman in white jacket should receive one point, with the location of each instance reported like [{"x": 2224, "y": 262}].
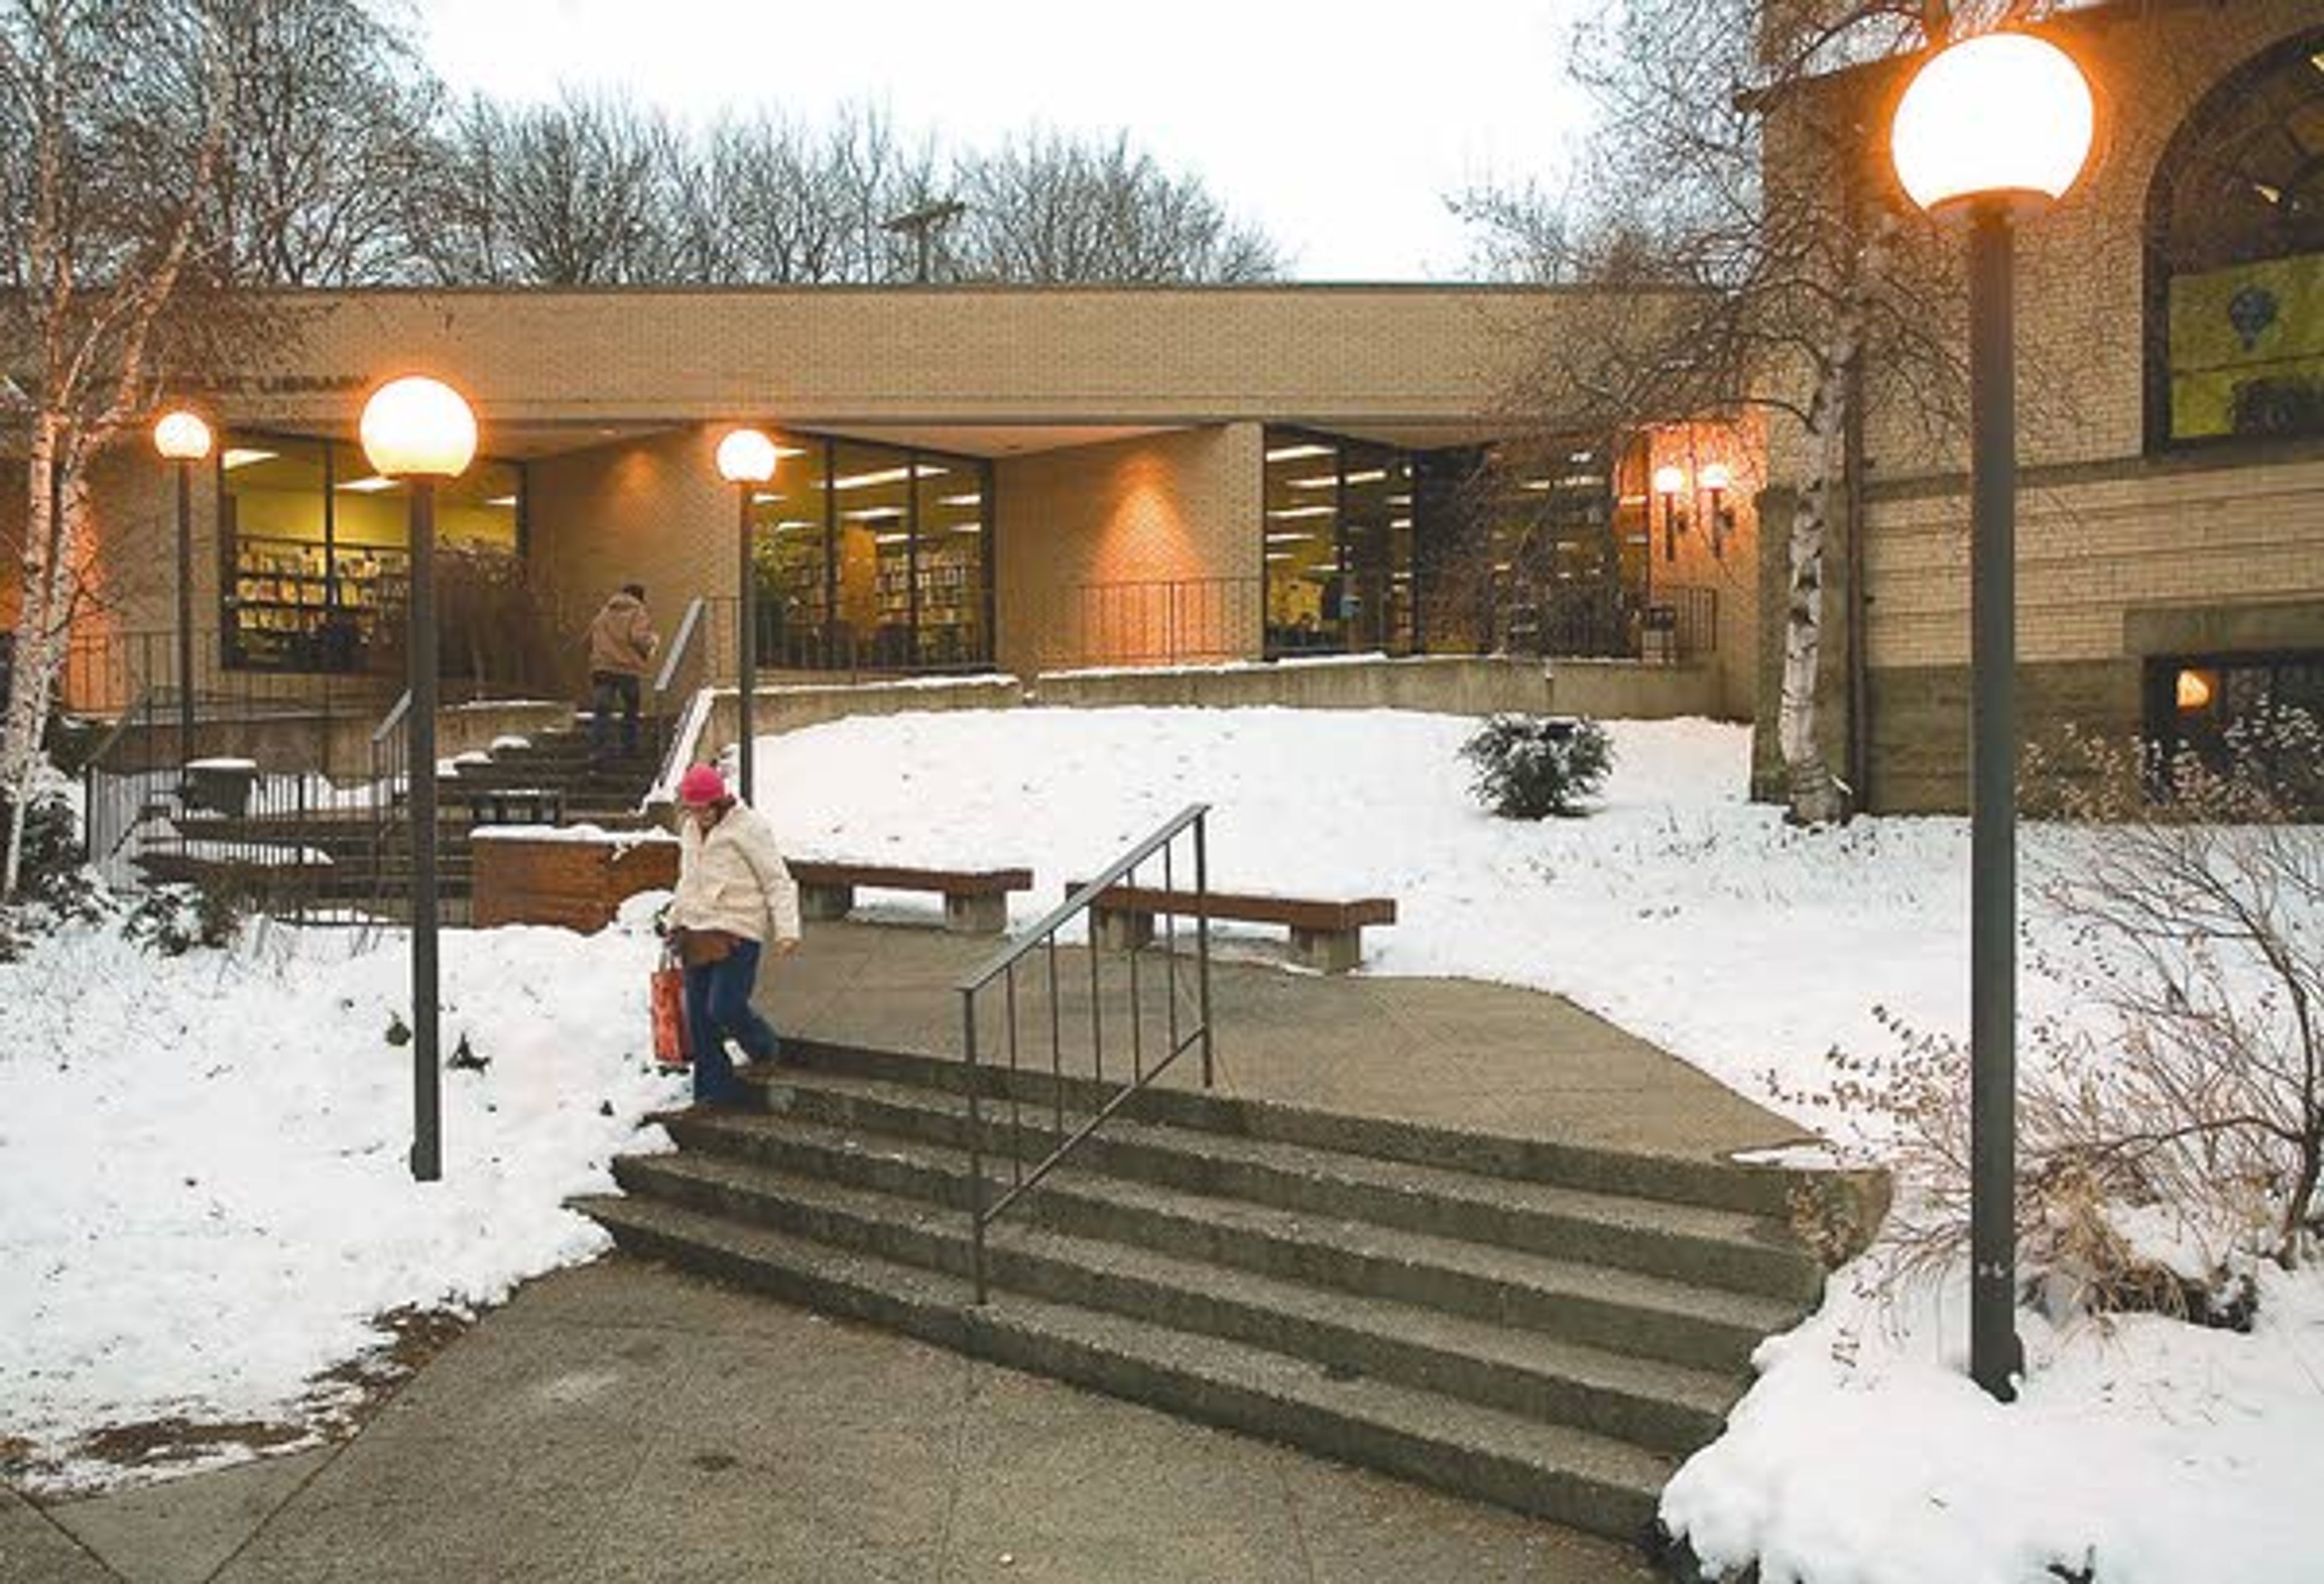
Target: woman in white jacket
[{"x": 735, "y": 901}]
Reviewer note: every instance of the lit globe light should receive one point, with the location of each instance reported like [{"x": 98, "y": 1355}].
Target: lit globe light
[
  {"x": 1716, "y": 478},
  {"x": 746, "y": 457},
  {"x": 182, "y": 436},
  {"x": 418, "y": 428},
  {"x": 2003, "y": 115},
  {"x": 1669, "y": 480}
]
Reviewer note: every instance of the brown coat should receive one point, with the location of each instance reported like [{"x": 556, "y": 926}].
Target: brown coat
[{"x": 622, "y": 640}]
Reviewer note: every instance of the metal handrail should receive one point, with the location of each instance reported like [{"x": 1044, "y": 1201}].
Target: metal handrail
[
  {"x": 682, "y": 736},
  {"x": 679, "y": 645},
  {"x": 392, "y": 719},
  {"x": 1042, "y": 935}
]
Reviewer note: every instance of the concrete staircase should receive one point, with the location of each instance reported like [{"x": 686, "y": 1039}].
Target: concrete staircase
[
  {"x": 369, "y": 860},
  {"x": 1545, "y": 1327}
]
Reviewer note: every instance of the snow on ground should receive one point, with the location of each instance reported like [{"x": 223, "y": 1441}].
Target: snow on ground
[
  {"x": 1675, "y": 909},
  {"x": 208, "y": 1201}
]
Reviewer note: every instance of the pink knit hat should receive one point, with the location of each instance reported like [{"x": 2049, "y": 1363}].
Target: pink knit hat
[{"x": 701, "y": 785}]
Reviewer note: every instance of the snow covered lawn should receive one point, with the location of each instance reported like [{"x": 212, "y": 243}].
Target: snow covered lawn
[{"x": 208, "y": 1202}]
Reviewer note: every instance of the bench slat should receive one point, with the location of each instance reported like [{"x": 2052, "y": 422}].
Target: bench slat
[
  {"x": 951, "y": 882},
  {"x": 1251, "y": 907}
]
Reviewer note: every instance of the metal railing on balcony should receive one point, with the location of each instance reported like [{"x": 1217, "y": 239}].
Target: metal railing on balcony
[
  {"x": 1033, "y": 1154},
  {"x": 1166, "y": 621}
]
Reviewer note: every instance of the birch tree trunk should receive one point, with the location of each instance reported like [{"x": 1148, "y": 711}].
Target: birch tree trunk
[
  {"x": 40, "y": 629},
  {"x": 1816, "y": 796}
]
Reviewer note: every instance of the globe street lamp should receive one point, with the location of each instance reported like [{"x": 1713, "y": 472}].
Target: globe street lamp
[
  {"x": 1989, "y": 128},
  {"x": 746, "y": 459},
  {"x": 419, "y": 430},
  {"x": 185, "y": 439}
]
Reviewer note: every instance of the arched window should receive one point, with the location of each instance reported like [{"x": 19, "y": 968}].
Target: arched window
[{"x": 2236, "y": 262}]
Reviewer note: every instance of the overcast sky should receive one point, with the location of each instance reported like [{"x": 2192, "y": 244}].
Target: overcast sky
[{"x": 1337, "y": 128}]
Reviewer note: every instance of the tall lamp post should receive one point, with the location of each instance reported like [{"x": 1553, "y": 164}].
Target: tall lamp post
[
  {"x": 185, "y": 439},
  {"x": 746, "y": 459},
  {"x": 1988, "y": 129},
  {"x": 419, "y": 430}
]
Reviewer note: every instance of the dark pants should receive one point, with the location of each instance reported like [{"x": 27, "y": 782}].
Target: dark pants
[
  {"x": 717, "y": 1008},
  {"x": 610, "y": 687}
]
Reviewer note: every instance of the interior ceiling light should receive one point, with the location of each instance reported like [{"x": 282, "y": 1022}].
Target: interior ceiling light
[
  {"x": 236, "y": 457},
  {"x": 873, "y": 513},
  {"x": 368, "y": 486},
  {"x": 789, "y": 523},
  {"x": 1322, "y": 481},
  {"x": 886, "y": 475},
  {"x": 1291, "y": 537},
  {"x": 971, "y": 498},
  {"x": 765, "y": 497},
  {"x": 1300, "y": 511},
  {"x": 891, "y": 538},
  {"x": 968, "y": 527},
  {"x": 501, "y": 501},
  {"x": 1293, "y": 453}
]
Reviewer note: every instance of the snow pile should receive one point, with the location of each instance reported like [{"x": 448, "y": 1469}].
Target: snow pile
[{"x": 210, "y": 1199}]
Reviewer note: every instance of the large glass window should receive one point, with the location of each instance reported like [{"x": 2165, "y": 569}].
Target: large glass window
[
  {"x": 316, "y": 565},
  {"x": 872, "y": 557},
  {"x": 1339, "y": 532},
  {"x": 2237, "y": 274},
  {"x": 2260, "y": 710}
]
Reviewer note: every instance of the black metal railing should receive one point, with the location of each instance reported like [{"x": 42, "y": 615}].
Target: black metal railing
[
  {"x": 1160, "y": 622},
  {"x": 842, "y": 651},
  {"x": 1672, "y": 624},
  {"x": 1041, "y": 937},
  {"x": 677, "y": 706}
]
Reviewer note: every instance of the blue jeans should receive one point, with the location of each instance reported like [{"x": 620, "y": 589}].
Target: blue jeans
[{"x": 717, "y": 1008}]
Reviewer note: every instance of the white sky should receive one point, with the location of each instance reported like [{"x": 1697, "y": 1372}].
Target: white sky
[{"x": 1338, "y": 128}]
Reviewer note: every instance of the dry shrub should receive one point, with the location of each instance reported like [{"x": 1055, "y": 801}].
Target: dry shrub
[{"x": 2172, "y": 1131}]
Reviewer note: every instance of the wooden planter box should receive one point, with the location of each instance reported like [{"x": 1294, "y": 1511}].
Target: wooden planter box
[{"x": 575, "y": 880}]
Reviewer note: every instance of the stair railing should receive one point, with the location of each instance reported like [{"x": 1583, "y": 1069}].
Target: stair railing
[
  {"x": 391, "y": 788},
  {"x": 1042, "y": 937},
  {"x": 678, "y": 727}
]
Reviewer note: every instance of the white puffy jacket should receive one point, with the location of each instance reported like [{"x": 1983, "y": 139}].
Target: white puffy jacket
[{"x": 734, "y": 879}]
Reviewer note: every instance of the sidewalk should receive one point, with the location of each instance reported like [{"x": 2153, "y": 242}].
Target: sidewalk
[{"x": 623, "y": 1423}]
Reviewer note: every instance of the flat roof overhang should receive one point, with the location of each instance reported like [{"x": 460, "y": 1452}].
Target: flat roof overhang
[{"x": 982, "y": 371}]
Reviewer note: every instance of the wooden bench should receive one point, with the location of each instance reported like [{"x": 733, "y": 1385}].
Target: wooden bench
[
  {"x": 976, "y": 900},
  {"x": 1325, "y": 935}
]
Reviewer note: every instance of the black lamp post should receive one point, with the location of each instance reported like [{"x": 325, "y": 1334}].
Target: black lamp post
[
  {"x": 419, "y": 430},
  {"x": 746, "y": 459},
  {"x": 1997, "y": 125},
  {"x": 184, "y": 438}
]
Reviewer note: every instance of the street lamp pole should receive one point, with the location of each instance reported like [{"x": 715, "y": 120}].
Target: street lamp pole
[
  {"x": 185, "y": 439},
  {"x": 746, "y": 459},
  {"x": 419, "y": 430},
  {"x": 2000, "y": 122}
]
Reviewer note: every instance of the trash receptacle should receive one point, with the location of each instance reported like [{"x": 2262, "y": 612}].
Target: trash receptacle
[{"x": 221, "y": 785}]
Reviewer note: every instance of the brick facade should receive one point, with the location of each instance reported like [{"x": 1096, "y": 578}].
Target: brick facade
[{"x": 2108, "y": 532}]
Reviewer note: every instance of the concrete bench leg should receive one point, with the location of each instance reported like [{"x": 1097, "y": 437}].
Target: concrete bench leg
[
  {"x": 826, "y": 901},
  {"x": 1327, "y": 950},
  {"x": 984, "y": 914},
  {"x": 1115, "y": 930}
]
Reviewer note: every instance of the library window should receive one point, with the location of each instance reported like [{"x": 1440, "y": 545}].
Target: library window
[
  {"x": 316, "y": 556},
  {"x": 872, "y": 557},
  {"x": 2260, "y": 711},
  {"x": 2236, "y": 270}
]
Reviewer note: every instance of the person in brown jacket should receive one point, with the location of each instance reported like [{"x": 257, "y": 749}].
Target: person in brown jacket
[{"x": 622, "y": 642}]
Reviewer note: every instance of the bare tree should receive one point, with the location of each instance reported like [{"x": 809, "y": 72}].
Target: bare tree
[
  {"x": 1045, "y": 209},
  {"x": 1793, "y": 277},
  {"x": 331, "y": 119},
  {"x": 114, "y": 115},
  {"x": 577, "y": 193}
]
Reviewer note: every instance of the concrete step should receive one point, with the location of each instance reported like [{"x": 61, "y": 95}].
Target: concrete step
[
  {"x": 1723, "y": 1248},
  {"x": 1667, "y": 1407},
  {"x": 1646, "y": 1317},
  {"x": 1554, "y": 1471},
  {"x": 1769, "y": 1192}
]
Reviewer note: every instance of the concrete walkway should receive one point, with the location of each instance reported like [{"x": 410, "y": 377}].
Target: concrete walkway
[
  {"x": 1454, "y": 1052},
  {"x": 622, "y": 1422}
]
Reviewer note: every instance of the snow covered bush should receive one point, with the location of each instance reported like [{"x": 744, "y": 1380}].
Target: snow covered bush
[
  {"x": 173, "y": 920},
  {"x": 1529, "y": 767},
  {"x": 53, "y": 883}
]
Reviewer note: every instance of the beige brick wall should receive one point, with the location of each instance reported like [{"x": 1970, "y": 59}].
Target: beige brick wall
[
  {"x": 2104, "y": 530},
  {"x": 841, "y": 357},
  {"x": 653, "y": 512},
  {"x": 1180, "y": 508}
]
